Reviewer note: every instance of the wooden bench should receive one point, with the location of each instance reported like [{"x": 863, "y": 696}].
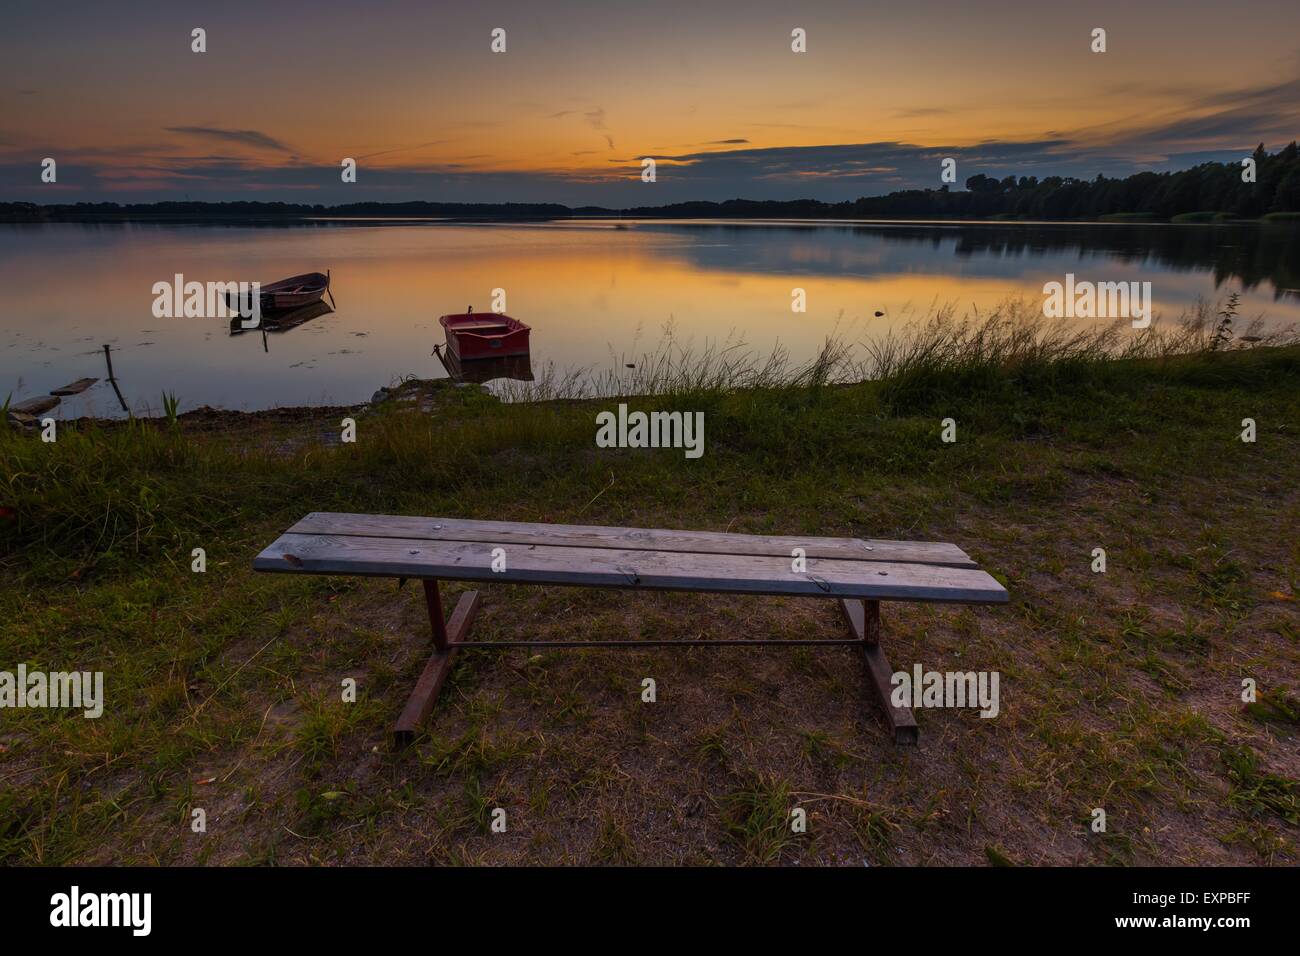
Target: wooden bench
[{"x": 859, "y": 573}]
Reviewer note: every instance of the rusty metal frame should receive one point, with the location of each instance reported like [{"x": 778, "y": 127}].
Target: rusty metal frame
[{"x": 450, "y": 636}]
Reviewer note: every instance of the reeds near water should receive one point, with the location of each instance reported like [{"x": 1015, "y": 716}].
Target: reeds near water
[{"x": 938, "y": 348}]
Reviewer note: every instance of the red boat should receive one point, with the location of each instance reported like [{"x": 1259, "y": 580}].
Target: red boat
[{"x": 485, "y": 335}]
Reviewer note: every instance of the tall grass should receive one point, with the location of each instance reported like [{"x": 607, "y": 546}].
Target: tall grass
[
  {"x": 1014, "y": 349},
  {"x": 676, "y": 369},
  {"x": 940, "y": 350}
]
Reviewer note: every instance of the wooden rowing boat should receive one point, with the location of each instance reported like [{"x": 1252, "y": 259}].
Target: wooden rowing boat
[
  {"x": 287, "y": 294},
  {"x": 485, "y": 335}
]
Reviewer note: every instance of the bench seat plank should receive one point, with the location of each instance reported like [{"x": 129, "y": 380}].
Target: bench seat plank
[
  {"x": 622, "y": 568},
  {"x": 630, "y": 539}
]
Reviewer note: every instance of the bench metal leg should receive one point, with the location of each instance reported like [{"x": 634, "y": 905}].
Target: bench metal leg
[
  {"x": 433, "y": 601},
  {"x": 864, "y": 619},
  {"x": 447, "y": 635}
]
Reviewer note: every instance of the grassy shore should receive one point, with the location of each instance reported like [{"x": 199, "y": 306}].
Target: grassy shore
[{"x": 1120, "y": 691}]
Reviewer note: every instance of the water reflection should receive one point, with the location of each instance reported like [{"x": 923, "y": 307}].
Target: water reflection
[
  {"x": 1252, "y": 254},
  {"x": 596, "y": 293},
  {"x": 517, "y": 367},
  {"x": 282, "y": 321}
]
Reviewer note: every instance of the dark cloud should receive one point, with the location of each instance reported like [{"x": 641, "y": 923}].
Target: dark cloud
[
  {"x": 401, "y": 149},
  {"x": 858, "y": 168},
  {"x": 1218, "y": 126},
  {"x": 1223, "y": 120},
  {"x": 1282, "y": 96},
  {"x": 923, "y": 111},
  {"x": 831, "y": 173},
  {"x": 595, "y": 118},
  {"x": 245, "y": 137}
]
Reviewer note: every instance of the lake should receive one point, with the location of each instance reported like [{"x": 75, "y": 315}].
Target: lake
[{"x": 597, "y": 294}]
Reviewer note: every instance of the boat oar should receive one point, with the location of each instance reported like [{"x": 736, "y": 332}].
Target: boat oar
[{"x": 327, "y": 289}]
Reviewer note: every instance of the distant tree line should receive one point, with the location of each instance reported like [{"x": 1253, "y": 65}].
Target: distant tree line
[
  {"x": 1207, "y": 188},
  {"x": 280, "y": 210},
  {"x": 1204, "y": 190}
]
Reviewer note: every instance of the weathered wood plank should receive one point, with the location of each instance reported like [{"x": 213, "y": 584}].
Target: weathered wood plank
[
  {"x": 900, "y": 719},
  {"x": 630, "y": 539},
  {"x": 74, "y": 388},
  {"x": 19, "y": 420},
  {"x": 612, "y": 567},
  {"x": 435, "y": 671},
  {"x": 35, "y": 406},
  {"x": 864, "y": 619}
]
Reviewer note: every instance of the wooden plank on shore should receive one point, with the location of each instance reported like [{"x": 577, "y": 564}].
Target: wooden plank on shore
[
  {"x": 75, "y": 388},
  {"x": 900, "y": 718},
  {"x": 19, "y": 420},
  {"x": 427, "y": 688},
  {"x": 863, "y": 621},
  {"x": 630, "y": 539},
  {"x": 620, "y": 568},
  {"x": 35, "y": 406}
]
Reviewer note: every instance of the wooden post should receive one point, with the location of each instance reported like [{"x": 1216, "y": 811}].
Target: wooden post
[
  {"x": 433, "y": 600},
  {"x": 871, "y": 623},
  {"x": 864, "y": 619},
  {"x": 108, "y": 358},
  {"x": 446, "y": 636}
]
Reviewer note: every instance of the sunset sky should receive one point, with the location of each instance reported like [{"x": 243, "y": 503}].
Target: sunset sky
[{"x": 413, "y": 92}]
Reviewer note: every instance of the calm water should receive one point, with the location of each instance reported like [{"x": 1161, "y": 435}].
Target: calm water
[{"x": 595, "y": 295}]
